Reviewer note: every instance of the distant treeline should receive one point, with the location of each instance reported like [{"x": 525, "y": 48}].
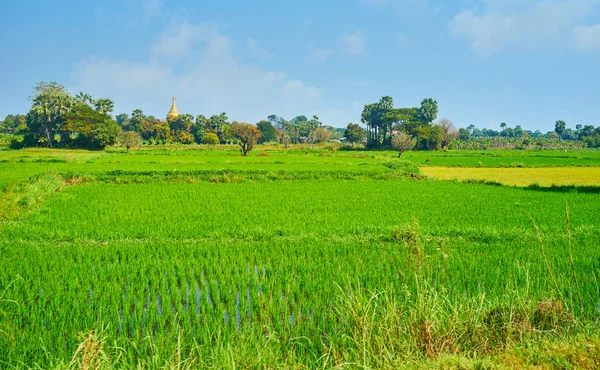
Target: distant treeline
[
  {"x": 58, "y": 119},
  {"x": 414, "y": 127}
]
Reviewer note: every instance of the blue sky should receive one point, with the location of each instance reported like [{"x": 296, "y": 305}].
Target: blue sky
[{"x": 523, "y": 62}]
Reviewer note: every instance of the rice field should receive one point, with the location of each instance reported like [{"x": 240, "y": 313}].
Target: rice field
[
  {"x": 207, "y": 260},
  {"x": 542, "y": 176},
  {"x": 19, "y": 165}
]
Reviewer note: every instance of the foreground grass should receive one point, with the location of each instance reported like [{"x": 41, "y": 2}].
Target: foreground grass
[
  {"x": 204, "y": 259},
  {"x": 298, "y": 274},
  {"x": 546, "y": 176}
]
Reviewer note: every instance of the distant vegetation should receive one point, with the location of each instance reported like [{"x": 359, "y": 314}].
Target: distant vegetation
[{"x": 58, "y": 119}]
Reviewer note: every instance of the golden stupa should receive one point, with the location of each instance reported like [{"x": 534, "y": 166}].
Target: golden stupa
[{"x": 173, "y": 112}]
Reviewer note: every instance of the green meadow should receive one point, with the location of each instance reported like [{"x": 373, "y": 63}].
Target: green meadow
[{"x": 299, "y": 258}]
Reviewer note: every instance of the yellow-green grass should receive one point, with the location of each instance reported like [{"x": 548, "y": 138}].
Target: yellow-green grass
[{"x": 543, "y": 176}]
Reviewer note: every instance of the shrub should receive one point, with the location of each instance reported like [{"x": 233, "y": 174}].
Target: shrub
[{"x": 210, "y": 139}]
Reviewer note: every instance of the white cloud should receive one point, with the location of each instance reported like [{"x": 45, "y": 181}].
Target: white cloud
[
  {"x": 177, "y": 41},
  {"x": 204, "y": 76},
  {"x": 587, "y": 38},
  {"x": 505, "y": 23},
  {"x": 352, "y": 43},
  {"x": 257, "y": 51}
]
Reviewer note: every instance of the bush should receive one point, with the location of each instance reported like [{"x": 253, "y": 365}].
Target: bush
[
  {"x": 210, "y": 138},
  {"x": 405, "y": 168}
]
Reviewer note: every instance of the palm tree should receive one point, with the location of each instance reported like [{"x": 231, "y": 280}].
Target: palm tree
[
  {"x": 83, "y": 98},
  {"x": 503, "y": 125},
  {"x": 50, "y": 105},
  {"x": 104, "y": 105}
]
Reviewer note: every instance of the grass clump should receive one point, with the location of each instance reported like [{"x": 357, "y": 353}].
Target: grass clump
[{"x": 29, "y": 195}]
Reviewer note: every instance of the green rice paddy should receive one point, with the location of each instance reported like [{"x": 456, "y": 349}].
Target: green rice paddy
[{"x": 308, "y": 258}]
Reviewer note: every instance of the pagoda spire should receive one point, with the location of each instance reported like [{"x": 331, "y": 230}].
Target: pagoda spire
[{"x": 173, "y": 112}]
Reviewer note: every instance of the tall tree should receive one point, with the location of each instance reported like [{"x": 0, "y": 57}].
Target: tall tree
[
  {"x": 83, "y": 98},
  {"x": 428, "y": 111},
  {"x": 140, "y": 123},
  {"x": 560, "y": 127},
  {"x": 50, "y": 103},
  {"x": 447, "y": 132},
  {"x": 365, "y": 118},
  {"x": 218, "y": 122},
  {"x": 379, "y": 129},
  {"x": 104, "y": 105},
  {"x": 312, "y": 125},
  {"x": 276, "y": 121},
  {"x": 385, "y": 105}
]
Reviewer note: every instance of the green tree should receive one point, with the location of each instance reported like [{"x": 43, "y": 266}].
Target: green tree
[
  {"x": 518, "y": 131},
  {"x": 83, "y": 98},
  {"x": 464, "y": 134},
  {"x": 354, "y": 133},
  {"x": 298, "y": 128},
  {"x": 268, "y": 131},
  {"x": 159, "y": 130},
  {"x": 217, "y": 123},
  {"x": 14, "y": 124},
  {"x": 321, "y": 135},
  {"x": 92, "y": 129},
  {"x": 130, "y": 139},
  {"x": 247, "y": 136},
  {"x": 104, "y": 105},
  {"x": 405, "y": 119},
  {"x": 227, "y": 133},
  {"x": 50, "y": 103},
  {"x": 312, "y": 125},
  {"x": 430, "y": 137},
  {"x": 374, "y": 117},
  {"x": 199, "y": 128},
  {"x": 137, "y": 119},
  {"x": 121, "y": 119},
  {"x": 182, "y": 123},
  {"x": 560, "y": 127},
  {"x": 428, "y": 111},
  {"x": 276, "y": 121}
]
